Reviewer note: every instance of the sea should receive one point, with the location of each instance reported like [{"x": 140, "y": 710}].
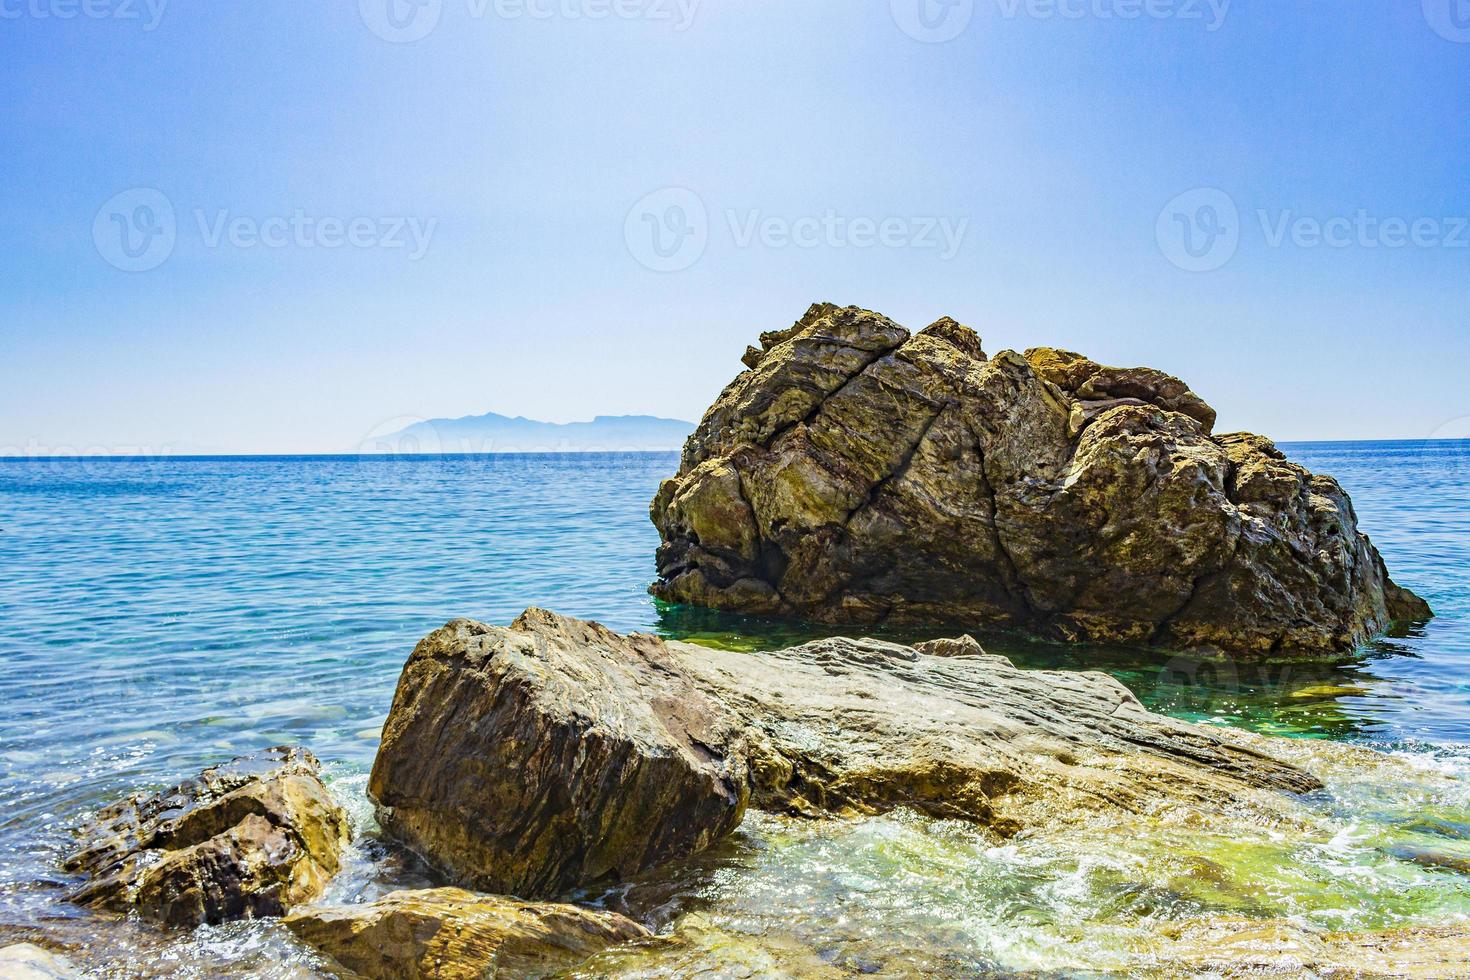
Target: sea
[{"x": 160, "y": 615}]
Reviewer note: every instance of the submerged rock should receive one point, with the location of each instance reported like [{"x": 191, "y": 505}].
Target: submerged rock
[
  {"x": 451, "y": 934},
  {"x": 1276, "y": 947},
  {"x": 857, "y": 474},
  {"x": 249, "y": 838},
  {"x": 25, "y": 961},
  {"x": 555, "y": 754}
]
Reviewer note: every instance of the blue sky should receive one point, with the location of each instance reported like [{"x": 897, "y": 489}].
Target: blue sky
[{"x": 1050, "y": 174}]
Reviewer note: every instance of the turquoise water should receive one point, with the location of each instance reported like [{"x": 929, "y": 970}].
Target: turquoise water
[{"x": 163, "y": 615}]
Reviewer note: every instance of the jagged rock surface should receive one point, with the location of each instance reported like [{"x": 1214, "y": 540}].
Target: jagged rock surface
[
  {"x": 532, "y": 760},
  {"x": 554, "y": 754},
  {"x": 857, "y": 474},
  {"x": 451, "y": 934},
  {"x": 246, "y": 839}
]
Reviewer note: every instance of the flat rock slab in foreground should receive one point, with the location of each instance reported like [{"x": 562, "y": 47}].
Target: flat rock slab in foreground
[
  {"x": 554, "y": 754},
  {"x": 451, "y": 934},
  {"x": 858, "y": 474},
  {"x": 246, "y": 839},
  {"x": 24, "y": 961}
]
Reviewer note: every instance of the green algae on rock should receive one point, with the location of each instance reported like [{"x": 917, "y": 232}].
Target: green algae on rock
[
  {"x": 1270, "y": 886},
  {"x": 246, "y": 839},
  {"x": 556, "y": 754},
  {"x": 858, "y": 474}
]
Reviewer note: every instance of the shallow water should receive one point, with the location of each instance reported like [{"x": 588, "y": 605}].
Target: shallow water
[{"x": 160, "y": 616}]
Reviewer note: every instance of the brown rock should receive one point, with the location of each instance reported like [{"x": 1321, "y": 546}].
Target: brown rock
[
  {"x": 532, "y": 760},
  {"x": 856, "y": 474},
  {"x": 556, "y": 753},
  {"x": 25, "y": 961},
  {"x": 246, "y": 839},
  {"x": 1229, "y": 947},
  {"x": 451, "y": 934}
]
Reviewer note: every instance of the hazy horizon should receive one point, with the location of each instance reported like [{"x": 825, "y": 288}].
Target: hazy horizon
[{"x": 278, "y": 228}]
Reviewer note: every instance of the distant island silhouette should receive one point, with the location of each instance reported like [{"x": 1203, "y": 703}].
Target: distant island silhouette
[{"x": 492, "y": 433}]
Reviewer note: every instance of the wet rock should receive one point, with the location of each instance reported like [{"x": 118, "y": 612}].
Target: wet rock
[
  {"x": 556, "y": 754},
  {"x": 1271, "y": 947},
  {"x": 24, "y": 961},
  {"x": 1433, "y": 858},
  {"x": 532, "y": 760},
  {"x": 857, "y": 474},
  {"x": 246, "y": 839},
  {"x": 697, "y": 947},
  {"x": 451, "y": 934},
  {"x": 1329, "y": 692},
  {"x": 962, "y": 646}
]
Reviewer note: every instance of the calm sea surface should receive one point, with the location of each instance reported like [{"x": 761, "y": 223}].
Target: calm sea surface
[{"x": 158, "y": 616}]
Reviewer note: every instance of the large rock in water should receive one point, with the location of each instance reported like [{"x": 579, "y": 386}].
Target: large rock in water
[
  {"x": 246, "y": 839},
  {"x": 451, "y": 934},
  {"x": 556, "y": 754},
  {"x": 857, "y": 474}
]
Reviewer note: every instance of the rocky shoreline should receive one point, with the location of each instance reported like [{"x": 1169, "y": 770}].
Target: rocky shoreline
[
  {"x": 534, "y": 762},
  {"x": 858, "y": 474},
  {"x": 853, "y": 474}
]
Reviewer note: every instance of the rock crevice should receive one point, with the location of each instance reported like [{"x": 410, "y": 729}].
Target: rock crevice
[
  {"x": 246, "y": 839},
  {"x": 555, "y": 754},
  {"x": 857, "y": 474}
]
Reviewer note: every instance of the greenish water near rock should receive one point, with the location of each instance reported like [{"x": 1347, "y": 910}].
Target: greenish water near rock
[{"x": 161, "y": 616}]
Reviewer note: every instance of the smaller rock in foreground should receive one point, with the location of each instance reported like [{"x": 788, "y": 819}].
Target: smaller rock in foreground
[
  {"x": 535, "y": 760},
  {"x": 247, "y": 839},
  {"x": 25, "y": 961},
  {"x": 452, "y": 934}
]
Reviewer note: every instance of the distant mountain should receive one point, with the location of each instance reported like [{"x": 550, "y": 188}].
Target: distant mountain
[{"x": 491, "y": 433}]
